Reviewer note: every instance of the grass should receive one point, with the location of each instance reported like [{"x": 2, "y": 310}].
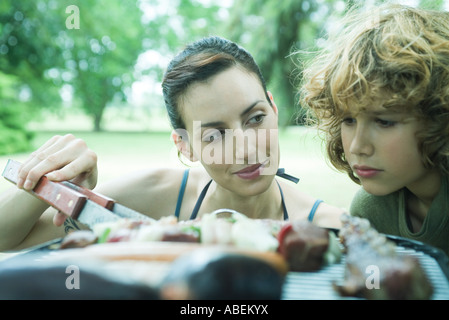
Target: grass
[{"x": 121, "y": 152}]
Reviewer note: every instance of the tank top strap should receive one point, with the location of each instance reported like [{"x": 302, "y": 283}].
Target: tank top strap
[
  {"x": 313, "y": 210},
  {"x": 284, "y": 207},
  {"x": 182, "y": 189},
  {"x": 200, "y": 201},
  {"x": 281, "y": 173}
]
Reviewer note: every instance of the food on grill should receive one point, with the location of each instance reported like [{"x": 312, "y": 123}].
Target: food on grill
[
  {"x": 307, "y": 247},
  {"x": 78, "y": 239},
  {"x": 374, "y": 270},
  {"x": 208, "y": 274},
  {"x": 304, "y": 246},
  {"x": 232, "y": 229},
  {"x": 141, "y": 231}
]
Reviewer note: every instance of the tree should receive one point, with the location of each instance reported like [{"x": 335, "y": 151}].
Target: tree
[
  {"x": 89, "y": 45},
  {"x": 23, "y": 60},
  {"x": 100, "y": 46},
  {"x": 272, "y": 30},
  {"x": 13, "y": 135},
  {"x": 27, "y": 48},
  {"x": 170, "y": 25}
]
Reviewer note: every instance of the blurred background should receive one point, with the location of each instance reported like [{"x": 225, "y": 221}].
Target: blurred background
[{"x": 94, "y": 68}]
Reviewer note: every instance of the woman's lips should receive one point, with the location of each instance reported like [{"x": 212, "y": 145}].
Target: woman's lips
[
  {"x": 251, "y": 172},
  {"x": 366, "y": 172}
]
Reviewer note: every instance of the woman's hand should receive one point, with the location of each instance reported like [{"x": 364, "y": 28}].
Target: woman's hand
[{"x": 61, "y": 158}]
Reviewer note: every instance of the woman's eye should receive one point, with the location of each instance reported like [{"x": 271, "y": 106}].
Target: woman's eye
[
  {"x": 385, "y": 123},
  {"x": 212, "y": 135},
  {"x": 256, "y": 119}
]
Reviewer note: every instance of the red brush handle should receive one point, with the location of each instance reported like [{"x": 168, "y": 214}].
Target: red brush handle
[
  {"x": 64, "y": 196},
  {"x": 100, "y": 199},
  {"x": 66, "y": 200}
]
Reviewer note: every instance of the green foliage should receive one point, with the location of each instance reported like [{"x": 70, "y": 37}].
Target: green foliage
[
  {"x": 13, "y": 141},
  {"x": 27, "y": 37},
  {"x": 170, "y": 25},
  {"x": 432, "y": 4},
  {"x": 95, "y": 63},
  {"x": 272, "y": 30},
  {"x": 27, "y": 48},
  {"x": 95, "y": 59},
  {"x": 14, "y": 137},
  {"x": 100, "y": 56},
  {"x": 277, "y": 32},
  {"x": 13, "y": 117}
]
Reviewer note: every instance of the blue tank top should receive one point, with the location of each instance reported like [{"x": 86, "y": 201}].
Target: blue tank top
[{"x": 280, "y": 173}]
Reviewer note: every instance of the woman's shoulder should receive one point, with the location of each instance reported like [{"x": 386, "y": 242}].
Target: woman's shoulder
[
  {"x": 301, "y": 204},
  {"x": 146, "y": 178},
  {"x": 295, "y": 195},
  {"x": 146, "y": 190},
  {"x": 152, "y": 191}
]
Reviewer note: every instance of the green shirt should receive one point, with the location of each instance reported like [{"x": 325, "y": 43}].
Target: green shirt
[{"x": 387, "y": 214}]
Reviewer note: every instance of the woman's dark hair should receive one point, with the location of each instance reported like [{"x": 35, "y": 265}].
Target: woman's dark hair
[{"x": 198, "y": 62}]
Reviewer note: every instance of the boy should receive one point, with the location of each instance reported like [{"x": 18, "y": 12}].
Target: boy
[{"x": 380, "y": 92}]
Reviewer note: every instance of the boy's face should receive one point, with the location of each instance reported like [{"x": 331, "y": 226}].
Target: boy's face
[{"x": 381, "y": 147}]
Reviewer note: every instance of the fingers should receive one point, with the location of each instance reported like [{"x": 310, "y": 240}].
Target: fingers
[
  {"x": 59, "y": 218},
  {"x": 82, "y": 171},
  {"x": 60, "y": 158},
  {"x": 28, "y": 164}
]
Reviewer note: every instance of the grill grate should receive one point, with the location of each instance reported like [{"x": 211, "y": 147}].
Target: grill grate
[{"x": 318, "y": 285}]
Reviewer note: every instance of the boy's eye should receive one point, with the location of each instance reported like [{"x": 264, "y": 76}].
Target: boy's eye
[
  {"x": 385, "y": 123},
  {"x": 348, "y": 120}
]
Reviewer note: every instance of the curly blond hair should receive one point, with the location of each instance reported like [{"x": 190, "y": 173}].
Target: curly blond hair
[{"x": 394, "y": 51}]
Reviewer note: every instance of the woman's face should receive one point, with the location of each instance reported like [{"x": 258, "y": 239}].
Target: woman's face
[
  {"x": 381, "y": 147},
  {"x": 232, "y": 130}
]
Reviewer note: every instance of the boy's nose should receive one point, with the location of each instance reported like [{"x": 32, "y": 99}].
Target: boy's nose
[{"x": 361, "y": 143}]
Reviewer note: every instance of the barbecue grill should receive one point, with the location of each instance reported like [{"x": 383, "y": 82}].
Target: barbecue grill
[{"x": 317, "y": 285}]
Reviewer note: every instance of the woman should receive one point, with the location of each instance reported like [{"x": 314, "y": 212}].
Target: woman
[{"x": 223, "y": 116}]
